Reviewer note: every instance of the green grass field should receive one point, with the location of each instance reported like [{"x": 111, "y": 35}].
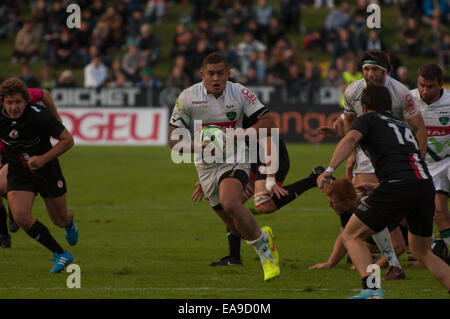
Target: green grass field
[{"x": 141, "y": 236}]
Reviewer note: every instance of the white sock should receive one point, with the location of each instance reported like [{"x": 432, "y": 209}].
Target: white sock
[
  {"x": 261, "y": 245},
  {"x": 446, "y": 241},
  {"x": 383, "y": 241}
]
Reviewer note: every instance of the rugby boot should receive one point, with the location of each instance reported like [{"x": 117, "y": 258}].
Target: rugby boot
[
  {"x": 61, "y": 261},
  {"x": 394, "y": 273},
  {"x": 227, "y": 261},
  {"x": 369, "y": 294}
]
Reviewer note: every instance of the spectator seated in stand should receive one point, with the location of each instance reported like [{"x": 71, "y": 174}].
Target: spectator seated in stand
[
  {"x": 48, "y": 79},
  {"x": 27, "y": 76},
  {"x": 65, "y": 51},
  {"x": 444, "y": 52},
  {"x": 314, "y": 42},
  {"x": 147, "y": 80},
  {"x": 148, "y": 44},
  {"x": 411, "y": 37},
  {"x": 402, "y": 77},
  {"x": 246, "y": 47},
  {"x": 115, "y": 23},
  {"x": 66, "y": 80},
  {"x": 95, "y": 73},
  {"x": 155, "y": 11},
  {"x": 26, "y": 44},
  {"x": 132, "y": 62},
  {"x": 178, "y": 78}
]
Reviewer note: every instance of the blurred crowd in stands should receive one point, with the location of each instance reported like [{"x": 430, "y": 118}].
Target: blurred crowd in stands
[{"x": 263, "y": 55}]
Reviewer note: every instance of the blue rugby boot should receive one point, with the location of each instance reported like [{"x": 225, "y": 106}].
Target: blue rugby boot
[
  {"x": 71, "y": 234},
  {"x": 61, "y": 261}
]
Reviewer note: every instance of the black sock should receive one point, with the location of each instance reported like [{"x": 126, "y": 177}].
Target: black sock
[
  {"x": 3, "y": 217},
  {"x": 295, "y": 190},
  {"x": 41, "y": 234},
  {"x": 234, "y": 244}
]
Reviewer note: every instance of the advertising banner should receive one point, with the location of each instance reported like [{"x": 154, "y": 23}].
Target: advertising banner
[{"x": 116, "y": 126}]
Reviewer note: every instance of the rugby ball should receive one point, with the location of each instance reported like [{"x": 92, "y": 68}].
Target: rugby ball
[{"x": 213, "y": 134}]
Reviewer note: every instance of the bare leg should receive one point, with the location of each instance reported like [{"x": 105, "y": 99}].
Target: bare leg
[
  {"x": 21, "y": 204},
  {"x": 354, "y": 235},
  {"x": 58, "y": 212},
  {"x": 420, "y": 247},
  {"x": 230, "y": 191}
]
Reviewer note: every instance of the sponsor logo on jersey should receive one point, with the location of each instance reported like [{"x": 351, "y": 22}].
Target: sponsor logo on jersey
[
  {"x": 444, "y": 120},
  {"x": 35, "y": 108},
  {"x": 231, "y": 115},
  {"x": 14, "y": 134},
  {"x": 249, "y": 95},
  {"x": 410, "y": 106},
  {"x": 222, "y": 124},
  {"x": 203, "y": 104},
  {"x": 437, "y": 130}
]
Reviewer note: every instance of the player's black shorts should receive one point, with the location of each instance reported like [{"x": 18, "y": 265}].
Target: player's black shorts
[
  {"x": 345, "y": 217},
  {"x": 48, "y": 181},
  {"x": 391, "y": 202},
  {"x": 258, "y": 169},
  {"x": 240, "y": 175}
]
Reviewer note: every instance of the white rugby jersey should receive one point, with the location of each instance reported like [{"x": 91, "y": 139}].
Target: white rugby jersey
[
  {"x": 437, "y": 123},
  {"x": 403, "y": 106},
  {"x": 227, "y": 111}
]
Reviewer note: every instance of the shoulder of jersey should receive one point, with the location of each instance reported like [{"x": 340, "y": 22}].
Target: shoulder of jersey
[
  {"x": 395, "y": 83},
  {"x": 36, "y": 108},
  {"x": 354, "y": 88},
  {"x": 191, "y": 92},
  {"x": 414, "y": 93}
]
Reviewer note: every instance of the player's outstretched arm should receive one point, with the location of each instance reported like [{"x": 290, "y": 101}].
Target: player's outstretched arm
[
  {"x": 336, "y": 256},
  {"x": 336, "y": 131},
  {"x": 344, "y": 148},
  {"x": 65, "y": 143}
]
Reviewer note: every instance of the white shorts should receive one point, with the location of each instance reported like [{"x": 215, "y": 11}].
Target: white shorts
[
  {"x": 363, "y": 163},
  {"x": 440, "y": 171},
  {"x": 209, "y": 178}
]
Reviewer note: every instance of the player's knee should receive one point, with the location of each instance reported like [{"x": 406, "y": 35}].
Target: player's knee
[
  {"x": 349, "y": 237},
  {"x": 23, "y": 219},
  {"x": 346, "y": 237},
  {"x": 61, "y": 220},
  {"x": 231, "y": 206}
]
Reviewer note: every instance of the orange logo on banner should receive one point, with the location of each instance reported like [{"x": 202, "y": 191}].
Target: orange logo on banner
[{"x": 305, "y": 125}]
